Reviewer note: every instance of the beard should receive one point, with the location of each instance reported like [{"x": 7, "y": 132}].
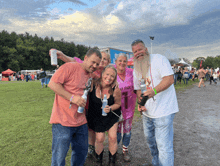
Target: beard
[{"x": 141, "y": 67}]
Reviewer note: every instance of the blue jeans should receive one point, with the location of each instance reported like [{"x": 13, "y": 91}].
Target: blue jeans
[
  {"x": 62, "y": 137},
  {"x": 159, "y": 135},
  {"x": 126, "y": 138},
  {"x": 185, "y": 80},
  {"x": 175, "y": 78},
  {"x": 43, "y": 81}
]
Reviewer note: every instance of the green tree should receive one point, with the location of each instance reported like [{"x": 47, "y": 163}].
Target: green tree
[
  {"x": 217, "y": 61},
  {"x": 209, "y": 62}
]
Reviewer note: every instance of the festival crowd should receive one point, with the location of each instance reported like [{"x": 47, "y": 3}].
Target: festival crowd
[{"x": 183, "y": 73}]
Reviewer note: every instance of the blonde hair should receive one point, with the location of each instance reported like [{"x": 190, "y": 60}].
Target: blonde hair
[
  {"x": 114, "y": 83},
  {"x": 108, "y": 55}
]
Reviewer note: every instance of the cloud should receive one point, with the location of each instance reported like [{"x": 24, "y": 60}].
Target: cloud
[
  {"x": 117, "y": 23},
  {"x": 189, "y": 52},
  {"x": 75, "y": 1},
  {"x": 26, "y": 8}
]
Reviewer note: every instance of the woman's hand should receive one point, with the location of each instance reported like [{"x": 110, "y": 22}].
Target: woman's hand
[
  {"x": 59, "y": 54},
  {"x": 107, "y": 109}
]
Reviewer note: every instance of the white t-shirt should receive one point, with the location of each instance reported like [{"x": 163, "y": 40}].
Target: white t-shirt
[
  {"x": 165, "y": 102},
  {"x": 215, "y": 76}
]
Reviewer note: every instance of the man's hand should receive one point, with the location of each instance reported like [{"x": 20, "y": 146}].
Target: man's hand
[
  {"x": 78, "y": 100},
  {"x": 150, "y": 93},
  {"x": 141, "y": 108}
]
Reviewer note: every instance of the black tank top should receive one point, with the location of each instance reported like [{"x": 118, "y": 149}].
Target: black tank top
[{"x": 96, "y": 121}]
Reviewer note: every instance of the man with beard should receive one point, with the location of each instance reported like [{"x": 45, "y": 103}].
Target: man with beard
[{"x": 161, "y": 106}]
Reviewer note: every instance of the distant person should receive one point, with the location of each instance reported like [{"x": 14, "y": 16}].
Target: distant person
[
  {"x": 26, "y": 77},
  {"x": 32, "y": 77},
  {"x": 175, "y": 71},
  {"x": 179, "y": 73},
  {"x": 161, "y": 106},
  {"x": 215, "y": 77},
  {"x": 185, "y": 75},
  {"x": 69, "y": 126},
  {"x": 193, "y": 73},
  {"x": 35, "y": 76},
  {"x": 201, "y": 76},
  {"x": 22, "y": 77},
  {"x": 43, "y": 78},
  {"x": 207, "y": 75},
  {"x": 211, "y": 75}
]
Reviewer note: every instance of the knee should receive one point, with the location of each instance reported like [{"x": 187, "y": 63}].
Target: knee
[
  {"x": 100, "y": 139},
  {"x": 112, "y": 139}
]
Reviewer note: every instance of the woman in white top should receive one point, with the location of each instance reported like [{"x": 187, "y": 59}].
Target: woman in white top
[{"x": 215, "y": 76}]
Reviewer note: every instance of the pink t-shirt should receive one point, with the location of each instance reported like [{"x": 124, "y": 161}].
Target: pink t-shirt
[
  {"x": 128, "y": 98},
  {"x": 73, "y": 78}
]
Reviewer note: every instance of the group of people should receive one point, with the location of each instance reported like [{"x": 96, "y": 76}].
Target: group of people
[
  {"x": 202, "y": 74},
  {"x": 86, "y": 131},
  {"x": 183, "y": 73}
]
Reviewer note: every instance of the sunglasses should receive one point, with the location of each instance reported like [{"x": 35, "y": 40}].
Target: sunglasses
[{"x": 136, "y": 41}]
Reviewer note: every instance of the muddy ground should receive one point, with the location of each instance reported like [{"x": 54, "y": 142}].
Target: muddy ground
[{"x": 196, "y": 131}]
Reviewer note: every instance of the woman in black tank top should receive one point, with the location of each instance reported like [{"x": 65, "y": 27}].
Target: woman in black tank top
[{"x": 99, "y": 123}]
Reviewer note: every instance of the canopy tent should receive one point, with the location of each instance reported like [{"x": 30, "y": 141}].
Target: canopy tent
[
  {"x": 130, "y": 61},
  {"x": 182, "y": 63},
  {"x": 8, "y": 72}
]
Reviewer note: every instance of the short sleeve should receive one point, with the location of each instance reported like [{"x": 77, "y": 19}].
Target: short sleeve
[
  {"x": 62, "y": 74},
  {"x": 165, "y": 68}
]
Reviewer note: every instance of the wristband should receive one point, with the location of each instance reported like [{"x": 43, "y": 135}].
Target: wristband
[
  {"x": 71, "y": 101},
  {"x": 155, "y": 92}
]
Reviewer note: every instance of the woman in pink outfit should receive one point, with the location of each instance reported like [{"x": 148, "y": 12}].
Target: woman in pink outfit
[{"x": 128, "y": 102}]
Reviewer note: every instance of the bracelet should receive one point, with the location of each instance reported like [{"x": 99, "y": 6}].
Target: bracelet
[
  {"x": 71, "y": 101},
  {"x": 155, "y": 92}
]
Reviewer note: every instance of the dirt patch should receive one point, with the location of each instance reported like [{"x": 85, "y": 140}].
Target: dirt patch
[{"x": 196, "y": 131}]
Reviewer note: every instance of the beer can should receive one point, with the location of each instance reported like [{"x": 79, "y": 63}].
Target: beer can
[{"x": 53, "y": 57}]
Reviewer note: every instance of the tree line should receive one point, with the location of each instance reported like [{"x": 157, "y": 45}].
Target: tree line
[
  {"x": 27, "y": 52},
  {"x": 207, "y": 62}
]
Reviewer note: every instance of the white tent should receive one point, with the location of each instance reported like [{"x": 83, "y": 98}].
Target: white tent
[{"x": 183, "y": 63}]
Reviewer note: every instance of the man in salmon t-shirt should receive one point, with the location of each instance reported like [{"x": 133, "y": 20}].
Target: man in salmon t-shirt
[{"x": 69, "y": 126}]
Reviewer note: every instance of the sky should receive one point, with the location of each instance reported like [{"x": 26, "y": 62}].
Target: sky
[{"x": 181, "y": 28}]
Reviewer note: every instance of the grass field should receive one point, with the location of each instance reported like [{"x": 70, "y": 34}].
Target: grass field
[{"x": 25, "y": 135}]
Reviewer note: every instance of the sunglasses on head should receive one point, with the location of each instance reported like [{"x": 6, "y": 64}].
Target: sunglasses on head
[{"x": 137, "y": 41}]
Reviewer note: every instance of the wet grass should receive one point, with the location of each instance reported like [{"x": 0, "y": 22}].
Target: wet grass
[{"x": 25, "y": 132}]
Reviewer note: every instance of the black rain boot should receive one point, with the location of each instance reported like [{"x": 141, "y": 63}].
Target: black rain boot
[
  {"x": 99, "y": 158},
  {"x": 112, "y": 159}
]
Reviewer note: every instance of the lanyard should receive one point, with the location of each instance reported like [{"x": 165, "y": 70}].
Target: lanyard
[{"x": 151, "y": 77}]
